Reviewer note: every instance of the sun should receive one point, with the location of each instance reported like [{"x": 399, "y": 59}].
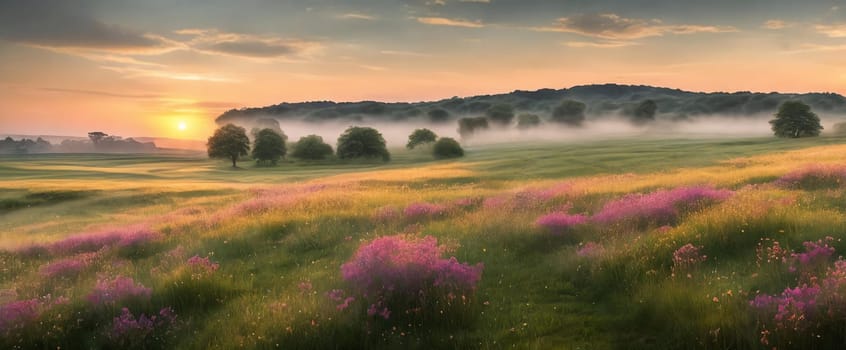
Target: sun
[{"x": 182, "y": 126}]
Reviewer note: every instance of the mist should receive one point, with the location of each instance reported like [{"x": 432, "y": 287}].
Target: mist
[{"x": 607, "y": 127}]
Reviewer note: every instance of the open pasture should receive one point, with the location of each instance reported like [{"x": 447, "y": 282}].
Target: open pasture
[{"x": 613, "y": 244}]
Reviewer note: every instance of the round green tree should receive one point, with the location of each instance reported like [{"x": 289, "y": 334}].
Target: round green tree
[
  {"x": 311, "y": 147},
  {"x": 447, "y": 148},
  {"x": 362, "y": 142},
  {"x": 795, "y": 119},
  {"x": 229, "y": 142},
  {"x": 569, "y": 112},
  {"x": 419, "y": 137},
  {"x": 269, "y": 146}
]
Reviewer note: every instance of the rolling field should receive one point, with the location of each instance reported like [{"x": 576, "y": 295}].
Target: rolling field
[{"x": 610, "y": 244}]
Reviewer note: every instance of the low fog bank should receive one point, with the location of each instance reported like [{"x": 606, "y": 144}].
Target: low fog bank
[{"x": 606, "y": 128}]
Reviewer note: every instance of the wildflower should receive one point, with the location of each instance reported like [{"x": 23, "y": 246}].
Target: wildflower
[
  {"x": 687, "y": 257},
  {"x": 559, "y": 223},
  {"x": 660, "y": 207},
  {"x": 111, "y": 291}
]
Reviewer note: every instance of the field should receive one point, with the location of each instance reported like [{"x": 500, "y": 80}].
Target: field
[{"x": 653, "y": 244}]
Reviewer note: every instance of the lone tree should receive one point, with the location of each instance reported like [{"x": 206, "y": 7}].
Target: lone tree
[
  {"x": 644, "y": 112},
  {"x": 447, "y": 148},
  {"x": 795, "y": 119},
  {"x": 269, "y": 146},
  {"x": 501, "y": 114},
  {"x": 229, "y": 142},
  {"x": 570, "y": 112},
  {"x": 528, "y": 121},
  {"x": 419, "y": 137},
  {"x": 469, "y": 126},
  {"x": 311, "y": 147},
  {"x": 362, "y": 142}
]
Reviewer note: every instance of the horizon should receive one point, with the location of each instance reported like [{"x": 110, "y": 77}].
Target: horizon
[{"x": 156, "y": 68}]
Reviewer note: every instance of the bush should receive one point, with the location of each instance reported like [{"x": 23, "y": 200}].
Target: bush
[
  {"x": 419, "y": 137},
  {"x": 311, "y": 147},
  {"x": 362, "y": 142},
  {"x": 447, "y": 148}
]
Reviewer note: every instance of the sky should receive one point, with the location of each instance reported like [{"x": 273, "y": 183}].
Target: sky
[{"x": 169, "y": 67}]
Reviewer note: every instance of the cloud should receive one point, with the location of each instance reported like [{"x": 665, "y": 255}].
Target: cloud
[
  {"x": 403, "y": 53},
  {"x": 102, "y": 93},
  {"x": 358, "y": 16},
  {"x": 604, "y": 44},
  {"x": 212, "y": 41},
  {"x": 442, "y": 21},
  {"x": 614, "y": 27},
  {"x": 65, "y": 24},
  {"x": 135, "y": 72},
  {"x": 774, "y": 24},
  {"x": 832, "y": 31}
]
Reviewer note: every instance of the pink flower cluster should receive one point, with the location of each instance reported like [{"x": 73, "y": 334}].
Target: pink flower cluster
[
  {"x": 126, "y": 237},
  {"x": 423, "y": 210},
  {"x": 687, "y": 257},
  {"x": 202, "y": 265},
  {"x": 659, "y": 207},
  {"x": 814, "y": 176},
  {"x": 405, "y": 268},
  {"x": 120, "y": 288},
  {"x": 127, "y": 329},
  {"x": 18, "y": 312},
  {"x": 560, "y": 222},
  {"x": 337, "y": 295},
  {"x": 68, "y": 267}
]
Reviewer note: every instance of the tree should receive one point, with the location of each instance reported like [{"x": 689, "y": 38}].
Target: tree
[
  {"x": 362, "y": 142},
  {"x": 311, "y": 147},
  {"x": 447, "y": 148},
  {"x": 96, "y": 136},
  {"x": 438, "y": 115},
  {"x": 569, "y": 112},
  {"x": 644, "y": 112},
  {"x": 269, "y": 146},
  {"x": 469, "y": 126},
  {"x": 501, "y": 114},
  {"x": 795, "y": 119},
  {"x": 839, "y": 129},
  {"x": 528, "y": 121},
  {"x": 266, "y": 123},
  {"x": 419, "y": 137},
  {"x": 229, "y": 142}
]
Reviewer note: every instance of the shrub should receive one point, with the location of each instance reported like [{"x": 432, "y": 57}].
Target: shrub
[
  {"x": 362, "y": 142},
  {"x": 402, "y": 275},
  {"x": 311, "y": 147},
  {"x": 447, "y": 148}
]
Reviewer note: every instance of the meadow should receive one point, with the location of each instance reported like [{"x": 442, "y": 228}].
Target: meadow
[{"x": 650, "y": 243}]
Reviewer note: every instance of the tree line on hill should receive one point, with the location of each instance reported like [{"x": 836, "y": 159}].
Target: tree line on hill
[
  {"x": 640, "y": 104},
  {"x": 269, "y": 144},
  {"x": 98, "y": 142}
]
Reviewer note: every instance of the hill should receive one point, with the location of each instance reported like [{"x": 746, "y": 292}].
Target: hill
[{"x": 601, "y": 101}]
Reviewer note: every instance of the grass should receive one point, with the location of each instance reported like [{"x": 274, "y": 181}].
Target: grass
[{"x": 281, "y": 234}]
